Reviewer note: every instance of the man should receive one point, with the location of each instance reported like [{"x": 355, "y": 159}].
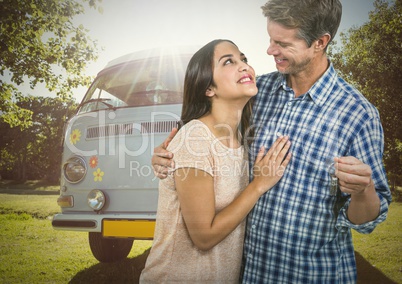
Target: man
[{"x": 299, "y": 232}]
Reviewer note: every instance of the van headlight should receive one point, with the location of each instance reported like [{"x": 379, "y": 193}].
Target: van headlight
[
  {"x": 74, "y": 169},
  {"x": 96, "y": 199}
]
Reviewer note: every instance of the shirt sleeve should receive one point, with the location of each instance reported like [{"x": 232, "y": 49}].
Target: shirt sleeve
[
  {"x": 368, "y": 147},
  {"x": 192, "y": 148}
]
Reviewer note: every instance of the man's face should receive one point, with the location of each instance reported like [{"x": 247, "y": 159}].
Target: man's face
[{"x": 291, "y": 54}]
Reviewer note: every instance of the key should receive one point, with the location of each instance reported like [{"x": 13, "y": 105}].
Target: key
[
  {"x": 334, "y": 185},
  {"x": 334, "y": 180}
]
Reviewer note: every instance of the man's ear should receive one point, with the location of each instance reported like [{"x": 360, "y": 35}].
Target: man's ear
[
  {"x": 322, "y": 42},
  {"x": 210, "y": 92}
]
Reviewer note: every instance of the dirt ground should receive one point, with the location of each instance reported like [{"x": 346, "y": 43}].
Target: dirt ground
[{"x": 368, "y": 274}]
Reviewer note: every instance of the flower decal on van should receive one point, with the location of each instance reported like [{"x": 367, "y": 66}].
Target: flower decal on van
[
  {"x": 93, "y": 162},
  {"x": 75, "y": 136},
  {"x": 98, "y": 175}
]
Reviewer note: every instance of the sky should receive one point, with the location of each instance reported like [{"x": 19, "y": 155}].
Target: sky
[{"x": 126, "y": 26}]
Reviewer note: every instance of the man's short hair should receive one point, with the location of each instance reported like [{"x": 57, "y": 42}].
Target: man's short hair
[{"x": 313, "y": 18}]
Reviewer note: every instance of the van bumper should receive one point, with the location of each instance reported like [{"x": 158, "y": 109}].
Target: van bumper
[{"x": 134, "y": 226}]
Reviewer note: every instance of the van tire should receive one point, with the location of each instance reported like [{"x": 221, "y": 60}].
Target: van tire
[{"x": 109, "y": 250}]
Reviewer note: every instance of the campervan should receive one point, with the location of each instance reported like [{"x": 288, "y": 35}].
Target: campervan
[{"x": 108, "y": 187}]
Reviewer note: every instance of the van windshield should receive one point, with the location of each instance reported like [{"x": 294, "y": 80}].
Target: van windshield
[{"x": 146, "y": 82}]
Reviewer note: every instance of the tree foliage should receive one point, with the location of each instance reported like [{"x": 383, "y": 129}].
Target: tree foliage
[
  {"x": 40, "y": 44},
  {"x": 34, "y": 152},
  {"x": 371, "y": 58}
]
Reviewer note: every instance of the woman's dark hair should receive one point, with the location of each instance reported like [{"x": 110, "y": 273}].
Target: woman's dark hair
[{"x": 198, "y": 78}]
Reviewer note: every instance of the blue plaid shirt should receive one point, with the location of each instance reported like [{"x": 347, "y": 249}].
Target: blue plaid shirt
[{"x": 298, "y": 232}]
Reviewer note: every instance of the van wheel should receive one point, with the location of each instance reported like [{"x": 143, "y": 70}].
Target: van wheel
[{"x": 109, "y": 250}]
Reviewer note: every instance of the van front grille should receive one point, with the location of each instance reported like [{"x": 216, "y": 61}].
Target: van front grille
[
  {"x": 158, "y": 126},
  {"x": 110, "y": 130},
  {"x": 129, "y": 128}
]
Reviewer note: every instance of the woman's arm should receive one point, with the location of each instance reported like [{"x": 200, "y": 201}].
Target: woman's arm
[{"x": 196, "y": 194}]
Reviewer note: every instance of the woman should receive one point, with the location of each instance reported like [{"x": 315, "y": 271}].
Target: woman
[{"x": 203, "y": 203}]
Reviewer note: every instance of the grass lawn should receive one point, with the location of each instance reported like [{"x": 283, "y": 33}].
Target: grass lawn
[
  {"x": 31, "y": 251},
  {"x": 383, "y": 247},
  {"x": 29, "y": 186}
]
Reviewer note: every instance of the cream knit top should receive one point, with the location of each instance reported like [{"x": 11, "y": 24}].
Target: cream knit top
[{"x": 173, "y": 257}]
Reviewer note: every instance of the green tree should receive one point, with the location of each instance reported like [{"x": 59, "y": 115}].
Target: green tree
[
  {"x": 34, "y": 152},
  {"x": 371, "y": 58},
  {"x": 40, "y": 44}
]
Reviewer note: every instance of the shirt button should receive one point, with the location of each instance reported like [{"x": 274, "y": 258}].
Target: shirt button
[
  {"x": 289, "y": 103},
  {"x": 253, "y": 227}
]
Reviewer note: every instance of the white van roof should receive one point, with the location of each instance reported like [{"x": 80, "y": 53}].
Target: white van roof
[{"x": 154, "y": 52}]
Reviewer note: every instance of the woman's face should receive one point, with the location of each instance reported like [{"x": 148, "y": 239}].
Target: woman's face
[{"x": 233, "y": 77}]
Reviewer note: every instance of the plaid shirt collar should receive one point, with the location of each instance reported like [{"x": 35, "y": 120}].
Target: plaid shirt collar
[{"x": 319, "y": 92}]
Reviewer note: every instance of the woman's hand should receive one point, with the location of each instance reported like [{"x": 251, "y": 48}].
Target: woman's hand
[{"x": 269, "y": 168}]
